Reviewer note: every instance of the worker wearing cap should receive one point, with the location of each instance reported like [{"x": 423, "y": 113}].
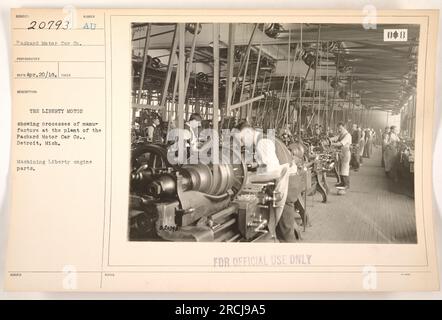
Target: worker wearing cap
[
  {"x": 343, "y": 141},
  {"x": 191, "y": 128},
  {"x": 269, "y": 168},
  {"x": 154, "y": 131}
]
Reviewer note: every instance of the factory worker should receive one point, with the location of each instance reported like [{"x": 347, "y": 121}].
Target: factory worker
[
  {"x": 191, "y": 131},
  {"x": 184, "y": 143},
  {"x": 384, "y": 140},
  {"x": 356, "y": 138},
  {"x": 391, "y": 152},
  {"x": 154, "y": 130},
  {"x": 269, "y": 168},
  {"x": 361, "y": 145},
  {"x": 343, "y": 141}
]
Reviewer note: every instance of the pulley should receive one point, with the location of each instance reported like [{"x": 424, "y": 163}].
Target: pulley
[
  {"x": 344, "y": 68},
  {"x": 329, "y": 46},
  {"x": 343, "y": 94},
  {"x": 201, "y": 76},
  {"x": 155, "y": 63},
  {"x": 272, "y": 30},
  {"x": 309, "y": 59},
  {"x": 191, "y": 28}
]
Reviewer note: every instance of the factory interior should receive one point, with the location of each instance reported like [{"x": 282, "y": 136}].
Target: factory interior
[{"x": 338, "y": 104}]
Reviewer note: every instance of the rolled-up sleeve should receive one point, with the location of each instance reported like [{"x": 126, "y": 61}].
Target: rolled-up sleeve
[{"x": 346, "y": 141}]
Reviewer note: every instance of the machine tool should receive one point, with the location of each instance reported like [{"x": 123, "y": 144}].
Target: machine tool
[{"x": 197, "y": 202}]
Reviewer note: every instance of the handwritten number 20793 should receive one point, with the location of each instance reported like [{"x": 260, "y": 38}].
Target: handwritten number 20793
[{"x": 52, "y": 24}]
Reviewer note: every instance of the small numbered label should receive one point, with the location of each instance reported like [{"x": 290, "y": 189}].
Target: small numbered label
[{"x": 395, "y": 34}]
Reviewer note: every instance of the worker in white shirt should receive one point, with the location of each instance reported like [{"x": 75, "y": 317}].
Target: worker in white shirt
[
  {"x": 191, "y": 131},
  {"x": 183, "y": 143},
  {"x": 343, "y": 140},
  {"x": 269, "y": 168}
]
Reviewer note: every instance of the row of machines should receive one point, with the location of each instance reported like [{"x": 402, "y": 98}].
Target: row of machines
[
  {"x": 207, "y": 202},
  {"x": 320, "y": 159},
  {"x": 199, "y": 202}
]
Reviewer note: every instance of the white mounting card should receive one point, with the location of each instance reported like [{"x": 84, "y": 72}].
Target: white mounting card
[{"x": 77, "y": 101}]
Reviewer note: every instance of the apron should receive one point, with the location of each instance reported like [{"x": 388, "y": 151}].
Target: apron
[
  {"x": 344, "y": 158},
  {"x": 361, "y": 147}
]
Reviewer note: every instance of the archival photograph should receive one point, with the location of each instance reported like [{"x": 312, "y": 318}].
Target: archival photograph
[{"x": 273, "y": 132}]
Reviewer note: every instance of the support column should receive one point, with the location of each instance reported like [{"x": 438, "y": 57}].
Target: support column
[
  {"x": 143, "y": 70},
  {"x": 189, "y": 65},
  {"x": 215, "y": 76},
  {"x": 215, "y": 149},
  {"x": 249, "y": 108},
  {"x": 181, "y": 84},
  {"x": 334, "y": 90},
  {"x": 230, "y": 63},
  {"x": 169, "y": 68}
]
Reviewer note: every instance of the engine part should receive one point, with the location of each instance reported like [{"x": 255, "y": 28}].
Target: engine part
[{"x": 147, "y": 160}]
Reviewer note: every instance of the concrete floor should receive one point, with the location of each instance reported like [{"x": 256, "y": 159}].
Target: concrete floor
[{"x": 374, "y": 210}]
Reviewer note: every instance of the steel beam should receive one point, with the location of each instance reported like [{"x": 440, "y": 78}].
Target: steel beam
[
  {"x": 181, "y": 85},
  {"x": 143, "y": 70}
]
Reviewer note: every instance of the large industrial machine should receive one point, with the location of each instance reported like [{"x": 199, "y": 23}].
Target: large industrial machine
[
  {"x": 319, "y": 158},
  {"x": 323, "y": 161},
  {"x": 197, "y": 202}
]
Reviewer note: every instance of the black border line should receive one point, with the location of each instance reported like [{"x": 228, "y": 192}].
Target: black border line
[
  {"x": 211, "y": 266},
  {"x": 325, "y": 266},
  {"x": 226, "y": 271}
]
